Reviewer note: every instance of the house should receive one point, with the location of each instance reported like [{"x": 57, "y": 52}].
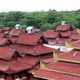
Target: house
[
  {"x": 6, "y": 53},
  {"x": 64, "y": 27},
  {"x": 36, "y": 50},
  {"x": 29, "y": 39},
  {"x": 15, "y": 32}
]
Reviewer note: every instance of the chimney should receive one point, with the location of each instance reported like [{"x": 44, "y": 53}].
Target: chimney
[
  {"x": 63, "y": 22},
  {"x": 29, "y": 29},
  {"x": 17, "y": 26}
]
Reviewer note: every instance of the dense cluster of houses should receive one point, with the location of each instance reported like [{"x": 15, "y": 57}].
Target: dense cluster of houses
[{"x": 28, "y": 55}]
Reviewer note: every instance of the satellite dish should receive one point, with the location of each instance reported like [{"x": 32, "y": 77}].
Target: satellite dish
[
  {"x": 63, "y": 22},
  {"x": 29, "y": 29},
  {"x": 17, "y": 26}
]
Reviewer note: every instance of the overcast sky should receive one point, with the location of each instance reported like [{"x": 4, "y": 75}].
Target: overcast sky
[{"x": 37, "y": 5}]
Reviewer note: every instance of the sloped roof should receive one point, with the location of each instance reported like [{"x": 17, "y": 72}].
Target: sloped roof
[
  {"x": 6, "y": 53},
  {"x": 19, "y": 64},
  {"x": 51, "y": 41},
  {"x": 66, "y": 68},
  {"x": 1, "y": 34},
  {"x": 75, "y": 37},
  {"x": 50, "y": 34},
  {"x": 3, "y": 41},
  {"x": 72, "y": 56},
  {"x": 62, "y": 40},
  {"x": 16, "y": 32},
  {"x": 75, "y": 44},
  {"x": 6, "y": 28},
  {"x": 65, "y": 34},
  {"x": 33, "y": 50},
  {"x": 24, "y": 63},
  {"x": 47, "y": 60},
  {"x": 64, "y": 27},
  {"x": 28, "y": 39},
  {"x": 51, "y": 75},
  {"x": 4, "y": 66},
  {"x": 13, "y": 39},
  {"x": 31, "y": 60}
]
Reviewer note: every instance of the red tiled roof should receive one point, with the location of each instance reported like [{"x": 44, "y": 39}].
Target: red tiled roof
[
  {"x": 6, "y": 53},
  {"x": 47, "y": 60},
  {"x": 64, "y": 27},
  {"x": 71, "y": 56},
  {"x": 13, "y": 39},
  {"x": 51, "y": 41},
  {"x": 75, "y": 37},
  {"x": 28, "y": 39},
  {"x": 6, "y": 28},
  {"x": 74, "y": 31},
  {"x": 62, "y": 40},
  {"x": 3, "y": 41},
  {"x": 33, "y": 50},
  {"x": 1, "y": 34},
  {"x": 50, "y": 34},
  {"x": 0, "y": 30},
  {"x": 15, "y": 32},
  {"x": 75, "y": 44},
  {"x": 65, "y": 34},
  {"x": 18, "y": 64},
  {"x": 51, "y": 75},
  {"x": 63, "y": 67},
  {"x": 31, "y": 60},
  {"x": 4, "y": 66},
  {"x": 24, "y": 63}
]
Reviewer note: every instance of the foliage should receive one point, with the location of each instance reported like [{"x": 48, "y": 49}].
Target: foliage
[{"x": 43, "y": 19}]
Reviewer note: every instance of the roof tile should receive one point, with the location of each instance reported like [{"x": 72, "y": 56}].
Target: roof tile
[
  {"x": 64, "y": 27},
  {"x": 15, "y": 32},
  {"x": 51, "y": 75},
  {"x": 33, "y": 50},
  {"x": 6, "y": 53},
  {"x": 28, "y": 39},
  {"x": 50, "y": 34}
]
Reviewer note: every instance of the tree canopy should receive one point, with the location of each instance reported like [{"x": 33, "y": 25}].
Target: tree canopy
[{"x": 43, "y": 19}]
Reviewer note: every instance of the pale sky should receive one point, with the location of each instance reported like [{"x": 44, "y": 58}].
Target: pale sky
[{"x": 37, "y": 5}]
